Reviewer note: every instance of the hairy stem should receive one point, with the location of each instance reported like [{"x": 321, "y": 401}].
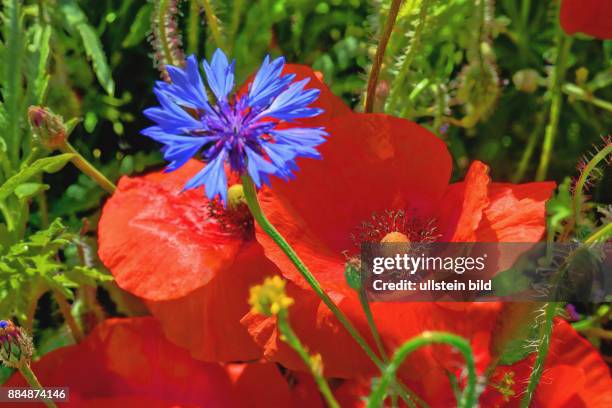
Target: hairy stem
[
  {"x": 410, "y": 54},
  {"x": 213, "y": 23},
  {"x": 380, "y": 53},
  {"x": 543, "y": 346},
  {"x": 64, "y": 306},
  {"x": 30, "y": 377},
  {"x": 468, "y": 397},
  {"x": 529, "y": 149},
  {"x": 88, "y": 169},
  {"x": 289, "y": 337}
]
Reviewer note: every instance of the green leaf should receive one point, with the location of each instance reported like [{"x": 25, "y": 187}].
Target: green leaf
[
  {"x": 140, "y": 27},
  {"x": 39, "y": 78},
  {"x": 75, "y": 18},
  {"x": 47, "y": 165},
  {"x": 26, "y": 191}
]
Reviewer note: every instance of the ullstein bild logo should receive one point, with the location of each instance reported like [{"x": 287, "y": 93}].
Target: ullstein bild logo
[{"x": 487, "y": 272}]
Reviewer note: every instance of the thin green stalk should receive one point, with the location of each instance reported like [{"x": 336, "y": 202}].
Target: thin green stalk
[
  {"x": 82, "y": 164},
  {"x": 600, "y": 234},
  {"x": 213, "y": 23},
  {"x": 193, "y": 27},
  {"x": 584, "y": 177},
  {"x": 30, "y": 377},
  {"x": 468, "y": 397},
  {"x": 66, "y": 311},
  {"x": 563, "y": 47},
  {"x": 582, "y": 95},
  {"x": 251, "y": 197},
  {"x": 365, "y": 305},
  {"x": 538, "y": 368},
  {"x": 380, "y": 53},
  {"x": 289, "y": 337},
  {"x": 529, "y": 149},
  {"x": 410, "y": 54}
]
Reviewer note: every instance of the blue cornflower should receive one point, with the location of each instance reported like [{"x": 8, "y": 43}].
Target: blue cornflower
[{"x": 243, "y": 131}]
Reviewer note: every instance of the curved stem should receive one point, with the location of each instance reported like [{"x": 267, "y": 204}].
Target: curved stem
[
  {"x": 251, "y": 198},
  {"x": 30, "y": 377},
  {"x": 250, "y": 194},
  {"x": 538, "y": 368},
  {"x": 380, "y": 53},
  {"x": 86, "y": 167},
  {"x": 584, "y": 177},
  {"x": 468, "y": 398},
  {"x": 289, "y": 337}
]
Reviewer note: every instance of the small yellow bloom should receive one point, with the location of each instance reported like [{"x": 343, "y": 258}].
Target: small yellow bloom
[{"x": 269, "y": 298}]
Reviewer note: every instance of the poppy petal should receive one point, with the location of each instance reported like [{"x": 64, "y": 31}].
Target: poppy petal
[{"x": 159, "y": 241}]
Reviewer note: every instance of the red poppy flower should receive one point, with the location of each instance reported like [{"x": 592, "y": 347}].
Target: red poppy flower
[
  {"x": 378, "y": 169},
  {"x": 574, "y": 376},
  {"x": 188, "y": 257},
  {"x": 129, "y": 363},
  {"x": 590, "y": 17}
]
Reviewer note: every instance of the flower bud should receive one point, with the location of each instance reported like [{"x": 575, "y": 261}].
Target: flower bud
[
  {"x": 269, "y": 298},
  {"x": 526, "y": 80},
  {"x": 15, "y": 345},
  {"x": 48, "y": 128},
  {"x": 235, "y": 196}
]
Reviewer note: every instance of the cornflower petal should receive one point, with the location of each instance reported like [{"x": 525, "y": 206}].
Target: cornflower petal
[
  {"x": 291, "y": 103},
  {"x": 213, "y": 178},
  {"x": 268, "y": 82},
  {"x": 219, "y": 75},
  {"x": 187, "y": 87}
]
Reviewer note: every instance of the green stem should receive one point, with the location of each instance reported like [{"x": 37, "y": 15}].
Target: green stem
[
  {"x": 600, "y": 234},
  {"x": 193, "y": 30},
  {"x": 251, "y": 197},
  {"x": 580, "y": 94},
  {"x": 468, "y": 398},
  {"x": 538, "y": 368},
  {"x": 380, "y": 53},
  {"x": 66, "y": 311},
  {"x": 529, "y": 149},
  {"x": 289, "y": 337},
  {"x": 82, "y": 164},
  {"x": 30, "y": 377},
  {"x": 365, "y": 305},
  {"x": 583, "y": 179},
  {"x": 213, "y": 23},
  {"x": 410, "y": 54},
  {"x": 563, "y": 46}
]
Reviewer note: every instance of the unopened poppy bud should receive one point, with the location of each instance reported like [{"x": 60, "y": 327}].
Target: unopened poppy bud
[
  {"x": 526, "y": 80},
  {"x": 15, "y": 345},
  {"x": 48, "y": 128},
  {"x": 269, "y": 298}
]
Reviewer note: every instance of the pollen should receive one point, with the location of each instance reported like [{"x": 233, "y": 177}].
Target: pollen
[{"x": 395, "y": 237}]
